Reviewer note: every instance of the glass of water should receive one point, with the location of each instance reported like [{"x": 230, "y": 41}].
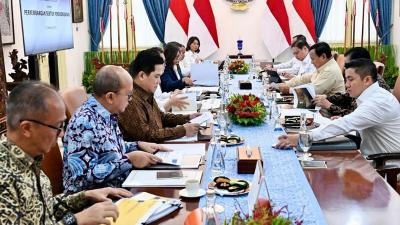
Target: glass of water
[{"x": 305, "y": 143}]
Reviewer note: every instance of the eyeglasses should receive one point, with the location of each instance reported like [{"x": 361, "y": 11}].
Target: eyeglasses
[
  {"x": 129, "y": 95},
  {"x": 59, "y": 129}
]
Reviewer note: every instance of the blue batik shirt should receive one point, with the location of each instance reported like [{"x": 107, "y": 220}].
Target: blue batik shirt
[{"x": 94, "y": 150}]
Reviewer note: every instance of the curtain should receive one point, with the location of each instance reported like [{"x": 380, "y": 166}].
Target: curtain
[
  {"x": 97, "y": 8},
  {"x": 321, "y": 11},
  {"x": 157, "y": 11},
  {"x": 385, "y": 17}
]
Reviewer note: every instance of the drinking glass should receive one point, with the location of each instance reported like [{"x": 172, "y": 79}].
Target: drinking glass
[{"x": 305, "y": 143}]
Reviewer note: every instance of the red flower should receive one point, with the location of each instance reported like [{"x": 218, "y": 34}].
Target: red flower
[
  {"x": 245, "y": 97},
  {"x": 230, "y": 108}
]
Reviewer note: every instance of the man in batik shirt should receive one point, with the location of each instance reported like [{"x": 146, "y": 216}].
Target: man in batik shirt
[
  {"x": 35, "y": 116},
  {"x": 95, "y": 154}
]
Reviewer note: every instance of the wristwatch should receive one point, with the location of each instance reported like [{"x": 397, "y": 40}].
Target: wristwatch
[{"x": 69, "y": 219}]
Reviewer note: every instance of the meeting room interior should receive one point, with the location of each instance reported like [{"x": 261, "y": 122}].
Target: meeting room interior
[{"x": 200, "y": 112}]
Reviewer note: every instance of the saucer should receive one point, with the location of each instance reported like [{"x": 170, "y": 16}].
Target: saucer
[{"x": 200, "y": 192}]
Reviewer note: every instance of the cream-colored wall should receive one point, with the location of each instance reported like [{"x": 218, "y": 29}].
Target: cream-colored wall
[
  {"x": 396, "y": 29},
  {"x": 70, "y": 61},
  {"x": 232, "y": 25}
]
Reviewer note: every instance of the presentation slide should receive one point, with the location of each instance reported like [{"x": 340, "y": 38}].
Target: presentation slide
[{"x": 47, "y": 25}]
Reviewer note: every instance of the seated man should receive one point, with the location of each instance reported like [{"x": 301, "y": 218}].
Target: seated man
[
  {"x": 35, "y": 118},
  {"x": 327, "y": 79},
  {"x": 293, "y": 64},
  {"x": 95, "y": 154},
  {"x": 376, "y": 117},
  {"x": 340, "y": 104},
  {"x": 143, "y": 119},
  {"x": 300, "y": 50}
]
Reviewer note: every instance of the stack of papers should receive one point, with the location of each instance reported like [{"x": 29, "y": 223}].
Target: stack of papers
[
  {"x": 205, "y": 117},
  {"x": 147, "y": 208},
  {"x": 207, "y": 105},
  {"x": 184, "y": 139},
  {"x": 148, "y": 178}
]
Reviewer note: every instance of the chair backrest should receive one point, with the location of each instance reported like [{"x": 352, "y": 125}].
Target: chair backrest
[
  {"x": 340, "y": 61},
  {"x": 73, "y": 99},
  {"x": 396, "y": 89},
  {"x": 52, "y": 166}
]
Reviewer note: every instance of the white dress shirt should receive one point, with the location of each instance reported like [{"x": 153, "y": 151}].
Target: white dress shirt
[
  {"x": 292, "y": 66},
  {"x": 377, "y": 119},
  {"x": 190, "y": 58},
  {"x": 161, "y": 98},
  {"x": 306, "y": 66}
]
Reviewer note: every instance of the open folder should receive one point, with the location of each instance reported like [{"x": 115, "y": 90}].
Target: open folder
[
  {"x": 183, "y": 156},
  {"x": 144, "y": 208}
]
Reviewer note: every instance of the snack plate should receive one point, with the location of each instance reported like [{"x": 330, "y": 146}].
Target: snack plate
[
  {"x": 223, "y": 192},
  {"x": 233, "y": 144}
]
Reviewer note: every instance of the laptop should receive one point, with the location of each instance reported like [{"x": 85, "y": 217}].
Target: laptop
[{"x": 274, "y": 76}]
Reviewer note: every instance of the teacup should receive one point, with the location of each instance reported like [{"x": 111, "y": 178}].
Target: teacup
[{"x": 192, "y": 186}]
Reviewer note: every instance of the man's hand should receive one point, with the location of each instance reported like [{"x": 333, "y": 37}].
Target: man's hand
[
  {"x": 152, "y": 147},
  {"x": 269, "y": 67},
  {"x": 188, "y": 81},
  {"x": 283, "y": 142},
  {"x": 320, "y": 100},
  {"x": 97, "y": 214},
  {"x": 178, "y": 101},
  {"x": 194, "y": 115},
  {"x": 191, "y": 129},
  {"x": 102, "y": 194},
  {"x": 140, "y": 159},
  {"x": 274, "y": 86},
  {"x": 287, "y": 75}
]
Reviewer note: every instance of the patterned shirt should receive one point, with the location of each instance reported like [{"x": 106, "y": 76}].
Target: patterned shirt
[
  {"x": 143, "y": 120},
  {"x": 94, "y": 150},
  {"x": 25, "y": 191},
  {"x": 343, "y": 104}
]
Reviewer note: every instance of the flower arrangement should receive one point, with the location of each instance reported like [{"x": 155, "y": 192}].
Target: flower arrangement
[
  {"x": 246, "y": 110},
  {"x": 238, "y": 67},
  {"x": 264, "y": 214}
]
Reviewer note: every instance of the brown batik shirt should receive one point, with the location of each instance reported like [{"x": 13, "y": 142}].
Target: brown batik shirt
[
  {"x": 343, "y": 104},
  {"x": 143, "y": 120},
  {"x": 25, "y": 191}
]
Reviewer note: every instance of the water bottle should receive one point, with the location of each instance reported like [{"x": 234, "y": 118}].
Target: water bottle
[
  {"x": 217, "y": 161},
  {"x": 209, "y": 217}
]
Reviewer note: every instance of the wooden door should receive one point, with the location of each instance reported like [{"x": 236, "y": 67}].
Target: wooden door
[{"x": 3, "y": 90}]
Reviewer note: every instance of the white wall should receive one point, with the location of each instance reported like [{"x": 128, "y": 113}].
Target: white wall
[
  {"x": 232, "y": 25},
  {"x": 71, "y": 62},
  {"x": 74, "y": 61},
  {"x": 396, "y": 29}
]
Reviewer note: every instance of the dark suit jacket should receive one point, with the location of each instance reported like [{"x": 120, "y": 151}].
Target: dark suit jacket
[{"x": 169, "y": 81}]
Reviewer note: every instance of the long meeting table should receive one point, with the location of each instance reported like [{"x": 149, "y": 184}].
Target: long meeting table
[{"x": 348, "y": 191}]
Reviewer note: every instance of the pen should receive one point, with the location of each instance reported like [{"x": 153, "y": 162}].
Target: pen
[{"x": 155, "y": 152}]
